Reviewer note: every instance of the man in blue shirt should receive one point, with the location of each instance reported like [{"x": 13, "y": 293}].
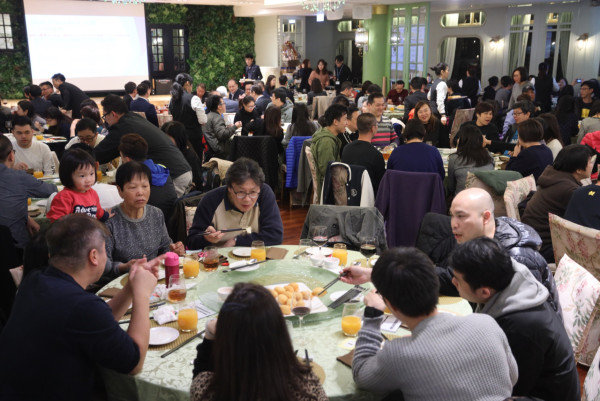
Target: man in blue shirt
[{"x": 58, "y": 333}]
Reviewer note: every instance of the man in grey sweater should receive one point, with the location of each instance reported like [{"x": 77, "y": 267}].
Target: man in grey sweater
[{"x": 447, "y": 357}]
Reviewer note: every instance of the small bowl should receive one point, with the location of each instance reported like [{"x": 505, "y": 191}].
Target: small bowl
[
  {"x": 316, "y": 260},
  {"x": 331, "y": 263},
  {"x": 224, "y": 292},
  {"x": 373, "y": 260}
]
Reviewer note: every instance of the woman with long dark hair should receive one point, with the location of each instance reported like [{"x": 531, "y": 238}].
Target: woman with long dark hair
[
  {"x": 246, "y": 113},
  {"x": 432, "y": 125},
  {"x": 59, "y": 124},
  {"x": 551, "y": 132},
  {"x": 301, "y": 124},
  {"x": 567, "y": 118},
  {"x": 176, "y": 132},
  {"x": 316, "y": 89},
  {"x": 187, "y": 108},
  {"x": 304, "y": 73},
  {"x": 270, "y": 85},
  {"x": 26, "y": 108},
  {"x": 470, "y": 156},
  {"x": 545, "y": 85},
  {"x": 320, "y": 73},
  {"x": 248, "y": 355},
  {"x": 439, "y": 91}
]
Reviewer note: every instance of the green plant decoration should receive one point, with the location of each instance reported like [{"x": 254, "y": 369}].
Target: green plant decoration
[{"x": 15, "y": 72}]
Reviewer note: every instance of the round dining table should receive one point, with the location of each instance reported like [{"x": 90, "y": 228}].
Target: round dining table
[{"x": 169, "y": 378}]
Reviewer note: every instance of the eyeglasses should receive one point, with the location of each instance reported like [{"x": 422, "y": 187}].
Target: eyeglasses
[
  {"x": 517, "y": 113},
  {"x": 104, "y": 115},
  {"x": 87, "y": 139},
  {"x": 242, "y": 194}
]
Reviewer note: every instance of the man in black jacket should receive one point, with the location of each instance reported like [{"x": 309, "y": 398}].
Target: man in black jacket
[
  {"x": 485, "y": 274},
  {"x": 341, "y": 73},
  {"x": 472, "y": 216},
  {"x": 416, "y": 95},
  {"x": 160, "y": 148},
  {"x": 71, "y": 95}
]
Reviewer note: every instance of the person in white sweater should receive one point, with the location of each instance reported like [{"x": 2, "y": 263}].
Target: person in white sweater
[
  {"x": 447, "y": 357},
  {"x": 29, "y": 153}
]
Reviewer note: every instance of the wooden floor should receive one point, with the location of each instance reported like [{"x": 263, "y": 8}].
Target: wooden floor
[{"x": 293, "y": 220}]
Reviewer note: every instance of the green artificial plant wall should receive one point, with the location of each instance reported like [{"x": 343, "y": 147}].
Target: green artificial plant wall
[
  {"x": 14, "y": 72},
  {"x": 217, "y": 39}
]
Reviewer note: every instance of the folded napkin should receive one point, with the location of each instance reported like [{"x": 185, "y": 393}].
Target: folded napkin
[
  {"x": 346, "y": 359},
  {"x": 239, "y": 263},
  {"x": 165, "y": 314},
  {"x": 276, "y": 253}
]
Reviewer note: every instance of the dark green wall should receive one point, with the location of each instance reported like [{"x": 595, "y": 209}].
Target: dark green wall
[
  {"x": 14, "y": 65},
  {"x": 217, "y": 43}
]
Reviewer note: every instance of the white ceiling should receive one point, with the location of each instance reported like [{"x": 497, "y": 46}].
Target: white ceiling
[{"x": 248, "y": 8}]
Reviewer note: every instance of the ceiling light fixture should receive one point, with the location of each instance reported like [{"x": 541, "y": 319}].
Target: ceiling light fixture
[{"x": 322, "y": 5}]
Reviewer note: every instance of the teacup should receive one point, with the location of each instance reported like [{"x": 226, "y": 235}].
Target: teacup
[{"x": 317, "y": 260}]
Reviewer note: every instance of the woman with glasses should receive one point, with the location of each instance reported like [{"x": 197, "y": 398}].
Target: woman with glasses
[
  {"x": 245, "y": 202},
  {"x": 216, "y": 133},
  {"x": 247, "y": 113}
]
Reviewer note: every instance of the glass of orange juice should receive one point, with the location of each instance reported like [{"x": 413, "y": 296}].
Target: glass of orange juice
[
  {"x": 258, "y": 251},
  {"x": 99, "y": 175},
  {"x": 351, "y": 320},
  {"x": 187, "y": 318},
  {"x": 191, "y": 266},
  {"x": 39, "y": 137},
  {"x": 340, "y": 252},
  {"x": 38, "y": 174}
]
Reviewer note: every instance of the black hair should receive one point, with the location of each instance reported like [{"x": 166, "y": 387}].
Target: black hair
[
  {"x": 113, "y": 103},
  {"x": 416, "y": 83},
  {"x": 142, "y": 89},
  {"x": 453, "y": 84},
  {"x": 134, "y": 147},
  {"x": 85, "y": 147},
  {"x": 365, "y": 86},
  {"x": 542, "y": 69},
  {"x": 339, "y": 57},
  {"x": 249, "y": 55},
  {"x": 530, "y": 130},
  {"x": 589, "y": 83},
  {"x": 70, "y": 161},
  {"x": 483, "y": 107},
  {"x": 316, "y": 86},
  {"x": 280, "y": 94},
  {"x": 176, "y": 130},
  {"x": 213, "y": 102},
  {"x": 565, "y": 107},
  {"x": 324, "y": 70},
  {"x": 335, "y": 112},
  {"x": 257, "y": 89},
  {"x": 470, "y": 146},
  {"x": 247, "y": 100},
  {"x": 35, "y": 91},
  {"x": 21, "y": 121},
  {"x": 374, "y": 88},
  {"x": 345, "y": 85},
  {"x": 27, "y": 107},
  {"x": 177, "y": 86},
  {"x": 373, "y": 96},
  {"x": 400, "y": 82},
  {"x": 506, "y": 81},
  {"x": 46, "y": 83},
  {"x": 572, "y": 158},
  {"x": 85, "y": 123},
  {"x": 130, "y": 87},
  {"x": 242, "y": 170},
  {"x": 128, "y": 171},
  {"x": 483, "y": 262},
  {"x": 92, "y": 113},
  {"x": 522, "y": 73},
  {"x": 406, "y": 278},
  {"x": 35, "y": 255},
  {"x": 301, "y": 120},
  {"x": 6, "y": 148},
  {"x": 551, "y": 127},
  {"x": 283, "y": 79},
  {"x": 365, "y": 122},
  {"x": 26, "y": 91},
  {"x": 493, "y": 80},
  {"x": 59, "y": 77},
  {"x": 595, "y": 109},
  {"x": 414, "y": 129},
  {"x": 272, "y": 119},
  {"x": 341, "y": 99},
  {"x": 352, "y": 109},
  {"x": 438, "y": 68},
  {"x": 472, "y": 70},
  {"x": 525, "y": 106}
]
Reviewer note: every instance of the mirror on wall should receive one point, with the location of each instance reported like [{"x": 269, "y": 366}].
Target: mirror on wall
[
  {"x": 459, "y": 53},
  {"x": 348, "y": 49},
  {"x": 463, "y": 19}
]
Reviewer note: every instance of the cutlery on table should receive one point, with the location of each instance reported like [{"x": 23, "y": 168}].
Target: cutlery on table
[
  {"x": 306, "y": 358},
  {"x": 350, "y": 294},
  {"x": 250, "y": 263},
  {"x": 189, "y": 340},
  {"x": 155, "y": 305},
  {"x": 229, "y": 230},
  {"x": 332, "y": 282}
]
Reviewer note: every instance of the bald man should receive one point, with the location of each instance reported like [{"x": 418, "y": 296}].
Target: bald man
[{"x": 472, "y": 216}]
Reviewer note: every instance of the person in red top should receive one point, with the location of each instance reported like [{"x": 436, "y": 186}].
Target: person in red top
[
  {"x": 77, "y": 173},
  {"x": 396, "y": 95}
]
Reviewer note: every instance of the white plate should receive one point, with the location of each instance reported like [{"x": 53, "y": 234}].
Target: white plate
[
  {"x": 242, "y": 252},
  {"x": 314, "y": 250},
  {"x": 244, "y": 269},
  {"x": 163, "y": 335},
  {"x": 317, "y": 305},
  {"x": 335, "y": 295},
  {"x": 32, "y": 208}
]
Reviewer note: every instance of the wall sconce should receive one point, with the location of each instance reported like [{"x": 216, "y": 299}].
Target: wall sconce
[
  {"x": 496, "y": 42},
  {"x": 361, "y": 40},
  {"x": 582, "y": 41}
]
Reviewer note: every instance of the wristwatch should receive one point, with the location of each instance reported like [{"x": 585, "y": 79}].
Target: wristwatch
[{"x": 372, "y": 312}]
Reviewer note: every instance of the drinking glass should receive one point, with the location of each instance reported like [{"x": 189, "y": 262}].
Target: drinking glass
[
  {"x": 38, "y": 173},
  {"x": 351, "y": 320},
  {"x": 258, "y": 251},
  {"x": 176, "y": 290},
  {"x": 368, "y": 248},
  {"x": 319, "y": 236},
  {"x": 303, "y": 246},
  {"x": 340, "y": 252},
  {"x": 187, "y": 318},
  {"x": 300, "y": 306},
  {"x": 191, "y": 266},
  {"x": 211, "y": 259}
]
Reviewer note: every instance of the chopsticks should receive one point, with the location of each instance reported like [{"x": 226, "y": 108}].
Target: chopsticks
[
  {"x": 189, "y": 340},
  {"x": 155, "y": 305},
  {"x": 350, "y": 294},
  {"x": 129, "y": 320},
  {"x": 306, "y": 358},
  {"x": 229, "y": 230},
  {"x": 243, "y": 267},
  {"x": 332, "y": 282}
]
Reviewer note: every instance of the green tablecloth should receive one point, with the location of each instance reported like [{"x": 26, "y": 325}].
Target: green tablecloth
[{"x": 170, "y": 378}]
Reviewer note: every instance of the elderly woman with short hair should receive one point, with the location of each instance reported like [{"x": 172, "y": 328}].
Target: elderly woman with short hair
[{"x": 246, "y": 201}]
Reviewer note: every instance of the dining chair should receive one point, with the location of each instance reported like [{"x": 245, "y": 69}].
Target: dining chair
[
  {"x": 313, "y": 173},
  {"x": 56, "y": 161},
  {"x": 515, "y": 193},
  {"x": 347, "y": 185},
  {"x": 591, "y": 384},
  {"x": 403, "y": 198},
  {"x": 578, "y": 291},
  {"x": 581, "y": 244},
  {"x": 494, "y": 183},
  {"x": 263, "y": 150},
  {"x": 183, "y": 216}
]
